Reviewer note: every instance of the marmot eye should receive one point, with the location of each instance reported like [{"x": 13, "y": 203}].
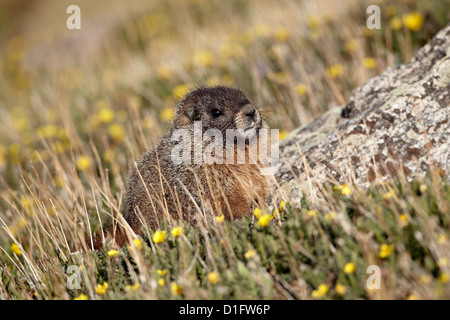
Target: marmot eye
[{"x": 216, "y": 112}]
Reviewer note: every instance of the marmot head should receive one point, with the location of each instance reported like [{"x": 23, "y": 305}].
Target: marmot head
[{"x": 219, "y": 108}]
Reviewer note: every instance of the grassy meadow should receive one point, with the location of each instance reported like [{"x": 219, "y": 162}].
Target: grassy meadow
[{"x": 79, "y": 106}]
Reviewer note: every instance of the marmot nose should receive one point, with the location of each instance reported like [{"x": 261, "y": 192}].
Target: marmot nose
[{"x": 249, "y": 111}]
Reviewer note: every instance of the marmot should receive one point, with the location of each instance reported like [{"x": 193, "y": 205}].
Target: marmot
[{"x": 159, "y": 187}]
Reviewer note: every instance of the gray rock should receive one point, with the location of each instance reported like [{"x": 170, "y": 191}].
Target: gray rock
[{"x": 395, "y": 123}]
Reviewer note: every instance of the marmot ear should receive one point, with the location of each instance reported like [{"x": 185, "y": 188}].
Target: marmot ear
[
  {"x": 190, "y": 112},
  {"x": 188, "y": 115}
]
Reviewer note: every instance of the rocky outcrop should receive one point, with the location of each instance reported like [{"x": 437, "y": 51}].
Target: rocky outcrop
[{"x": 395, "y": 123}]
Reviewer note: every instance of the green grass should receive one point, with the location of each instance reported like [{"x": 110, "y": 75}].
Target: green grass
[
  {"x": 79, "y": 107},
  {"x": 289, "y": 258}
]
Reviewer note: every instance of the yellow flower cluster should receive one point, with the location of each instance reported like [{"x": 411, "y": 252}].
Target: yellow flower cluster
[
  {"x": 250, "y": 254},
  {"x": 113, "y": 253},
  {"x": 345, "y": 189},
  {"x": 385, "y": 251},
  {"x": 369, "y": 63},
  {"x": 16, "y": 249},
  {"x": 176, "y": 289},
  {"x": 335, "y": 70},
  {"x": 413, "y": 21},
  {"x": 177, "y": 231},
  {"x": 83, "y": 163},
  {"x": 181, "y": 90},
  {"x": 136, "y": 244},
  {"x": 350, "y": 268},
  {"x": 213, "y": 277},
  {"x": 321, "y": 291},
  {"x": 159, "y": 236},
  {"x": 301, "y": 89},
  {"x": 101, "y": 288},
  {"x": 134, "y": 287},
  {"x": 264, "y": 220},
  {"x": 167, "y": 114}
]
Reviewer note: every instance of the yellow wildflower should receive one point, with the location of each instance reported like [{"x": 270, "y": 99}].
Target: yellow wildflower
[
  {"x": 105, "y": 115},
  {"x": 331, "y": 216},
  {"x": 442, "y": 238},
  {"x": 350, "y": 46},
  {"x": 311, "y": 213},
  {"x": 340, "y": 289},
  {"x": 101, "y": 288},
  {"x": 443, "y": 262},
  {"x": 396, "y": 23},
  {"x": 231, "y": 51},
  {"x": 313, "y": 22},
  {"x": 403, "y": 220},
  {"x": 282, "y": 205},
  {"x": 113, "y": 253},
  {"x": 21, "y": 124},
  {"x": 162, "y": 272},
  {"x": 423, "y": 188},
  {"x": 161, "y": 282},
  {"x": 81, "y": 297},
  {"x": 176, "y": 289},
  {"x": 264, "y": 220},
  {"x": 227, "y": 79},
  {"x": 335, "y": 70},
  {"x": 257, "y": 212},
  {"x": 411, "y": 297},
  {"x": 369, "y": 63},
  {"x": 177, "y": 231},
  {"x": 117, "y": 132},
  {"x": 164, "y": 72},
  {"x": 250, "y": 254},
  {"x": 425, "y": 279},
  {"x": 389, "y": 194},
  {"x": 275, "y": 213},
  {"x": 321, "y": 291},
  {"x": 137, "y": 243},
  {"x": 26, "y": 202},
  {"x": 413, "y": 21},
  {"x": 49, "y": 131},
  {"x": 385, "y": 250},
  {"x": 282, "y": 134},
  {"x": 281, "y": 34},
  {"x": 213, "y": 277},
  {"x": 204, "y": 59},
  {"x": 134, "y": 287},
  {"x": 181, "y": 90},
  {"x": 159, "y": 236},
  {"x": 443, "y": 278},
  {"x": 220, "y": 219},
  {"x": 16, "y": 249},
  {"x": 350, "y": 268},
  {"x": 109, "y": 155},
  {"x": 167, "y": 114},
  {"x": 301, "y": 89},
  {"x": 83, "y": 163},
  {"x": 346, "y": 191},
  {"x": 260, "y": 30}
]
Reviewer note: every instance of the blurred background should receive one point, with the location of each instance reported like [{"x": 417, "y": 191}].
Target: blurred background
[
  {"x": 79, "y": 101},
  {"x": 131, "y": 61}
]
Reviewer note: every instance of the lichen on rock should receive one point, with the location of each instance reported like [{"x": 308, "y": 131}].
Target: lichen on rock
[{"x": 395, "y": 123}]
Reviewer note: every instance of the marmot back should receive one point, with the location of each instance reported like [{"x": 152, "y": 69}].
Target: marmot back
[{"x": 160, "y": 186}]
